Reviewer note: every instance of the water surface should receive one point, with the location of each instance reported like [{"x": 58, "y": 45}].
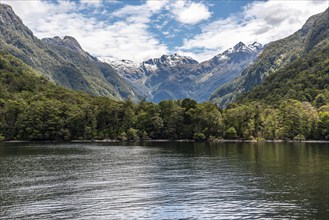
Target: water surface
[{"x": 164, "y": 181}]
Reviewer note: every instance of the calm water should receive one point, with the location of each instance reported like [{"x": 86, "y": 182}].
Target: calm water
[{"x": 164, "y": 181}]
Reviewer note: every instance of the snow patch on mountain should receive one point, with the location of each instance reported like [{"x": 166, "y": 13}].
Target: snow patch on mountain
[{"x": 182, "y": 75}]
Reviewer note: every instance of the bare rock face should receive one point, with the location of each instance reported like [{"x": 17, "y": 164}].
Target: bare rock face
[
  {"x": 68, "y": 42},
  {"x": 177, "y": 77}
]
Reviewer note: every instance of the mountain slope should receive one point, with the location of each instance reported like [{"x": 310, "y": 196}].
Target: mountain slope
[
  {"x": 276, "y": 56},
  {"x": 60, "y": 60},
  {"x": 177, "y": 77},
  {"x": 225, "y": 67},
  {"x": 305, "y": 79}
]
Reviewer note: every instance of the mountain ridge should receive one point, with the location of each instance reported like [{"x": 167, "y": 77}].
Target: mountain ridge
[
  {"x": 276, "y": 55},
  {"x": 62, "y": 61},
  {"x": 157, "y": 78}
]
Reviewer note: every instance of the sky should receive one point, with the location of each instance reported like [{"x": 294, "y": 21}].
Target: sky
[{"x": 144, "y": 29}]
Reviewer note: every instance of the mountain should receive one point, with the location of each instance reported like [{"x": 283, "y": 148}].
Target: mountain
[
  {"x": 177, "y": 77},
  {"x": 304, "y": 78},
  {"x": 62, "y": 61},
  {"x": 225, "y": 67},
  {"x": 277, "y": 60}
]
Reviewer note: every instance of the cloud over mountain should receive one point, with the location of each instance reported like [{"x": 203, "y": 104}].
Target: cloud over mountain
[{"x": 139, "y": 30}]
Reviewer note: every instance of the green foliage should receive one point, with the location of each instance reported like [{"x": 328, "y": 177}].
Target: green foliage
[
  {"x": 231, "y": 133},
  {"x": 323, "y": 126},
  {"x": 61, "y": 60},
  {"x": 34, "y": 109},
  {"x": 2, "y": 138},
  {"x": 199, "y": 136},
  {"x": 305, "y": 79},
  {"x": 31, "y": 108},
  {"x": 320, "y": 100},
  {"x": 132, "y": 134},
  {"x": 295, "y": 67},
  {"x": 206, "y": 119},
  {"x": 299, "y": 137},
  {"x": 291, "y": 99}
]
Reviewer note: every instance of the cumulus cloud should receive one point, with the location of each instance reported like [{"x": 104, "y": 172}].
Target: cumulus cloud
[
  {"x": 122, "y": 39},
  {"x": 129, "y": 32},
  {"x": 190, "y": 12},
  {"x": 259, "y": 21}
]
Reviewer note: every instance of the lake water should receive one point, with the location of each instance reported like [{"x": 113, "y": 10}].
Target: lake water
[{"x": 164, "y": 180}]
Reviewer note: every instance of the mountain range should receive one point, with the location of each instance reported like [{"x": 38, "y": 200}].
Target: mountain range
[
  {"x": 178, "y": 77},
  {"x": 294, "y": 67},
  {"x": 63, "y": 61}
]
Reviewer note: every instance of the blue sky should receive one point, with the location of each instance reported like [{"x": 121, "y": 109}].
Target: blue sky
[{"x": 139, "y": 30}]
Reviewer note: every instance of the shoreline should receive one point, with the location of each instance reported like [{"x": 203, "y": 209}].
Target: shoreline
[{"x": 168, "y": 140}]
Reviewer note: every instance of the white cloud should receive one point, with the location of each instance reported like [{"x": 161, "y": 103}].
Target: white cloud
[
  {"x": 140, "y": 13},
  {"x": 128, "y": 35},
  {"x": 259, "y": 21},
  {"x": 95, "y": 3},
  {"x": 190, "y": 12},
  {"x": 124, "y": 39}
]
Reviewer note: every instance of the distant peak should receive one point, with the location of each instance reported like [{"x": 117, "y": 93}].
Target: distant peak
[
  {"x": 72, "y": 41},
  {"x": 256, "y": 46},
  {"x": 239, "y": 45},
  {"x": 69, "y": 38},
  {"x": 68, "y": 42},
  {"x": 6, "y": 7}
]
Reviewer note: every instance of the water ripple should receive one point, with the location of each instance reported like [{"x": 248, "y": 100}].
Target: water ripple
[{"x": 166, "y": 181}]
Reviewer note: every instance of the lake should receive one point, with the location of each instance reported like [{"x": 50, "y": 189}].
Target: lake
[{"x": 164, "y": 180}]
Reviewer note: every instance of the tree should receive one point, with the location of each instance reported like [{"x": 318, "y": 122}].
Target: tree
[
  {"x": 199, "y": 136},
  {"x": 296, "y": 118},
  {"x": 132, "y": 134},
  {"x": 11, "y": 111},
  {"x": 270, "y": 124},
  {"x": 231, "y": 133},
  {"x": 42, "y": 120},
  {"x": 188, "y": 104},
  {"x": 323, "y": 125},
  {"x": 320, "y": 100},
  {"x": 207, "y": 119},
  {"x": 173, "y": 119}
]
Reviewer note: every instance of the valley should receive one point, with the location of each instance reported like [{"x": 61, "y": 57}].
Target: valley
[{"x": 51, "y": 89}]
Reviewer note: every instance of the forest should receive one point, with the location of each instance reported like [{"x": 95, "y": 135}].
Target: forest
[{"x": 34, "y": 109}]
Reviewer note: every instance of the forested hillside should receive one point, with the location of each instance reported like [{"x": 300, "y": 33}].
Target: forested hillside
[
  {"x": 31, "y": 108},
  {"x": 280, "y": 56},
  {"x": 62, "y": 61},
  {"x": 305, "y": 79},
  {"x": 291, "y": 101}
]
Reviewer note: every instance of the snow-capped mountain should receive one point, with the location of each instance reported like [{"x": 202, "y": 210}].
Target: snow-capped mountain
[
  {"x": 168, "y": 61},
  {"x": 176, "y": 76},
  {"x": 126, "y": 68}
]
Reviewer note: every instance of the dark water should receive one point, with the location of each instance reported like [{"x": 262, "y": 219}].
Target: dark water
[{"x": 164, "y": 181}]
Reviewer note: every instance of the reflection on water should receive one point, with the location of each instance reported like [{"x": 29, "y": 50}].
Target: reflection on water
[{"x": 162, "y": 180}]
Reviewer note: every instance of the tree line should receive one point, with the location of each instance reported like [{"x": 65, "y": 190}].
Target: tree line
[
  {"x": 101, "y": 118},
  {"x": 32, "y": 108}
]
